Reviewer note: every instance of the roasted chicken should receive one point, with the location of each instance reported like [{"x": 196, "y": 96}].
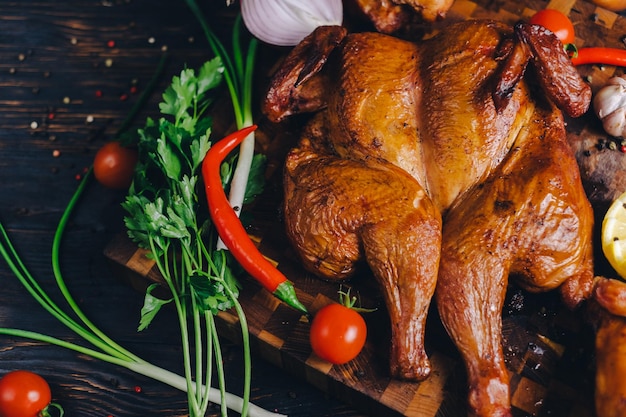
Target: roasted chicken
[
  {"x": 392, "y": 16},
  {"x": 445, "y": 165}
]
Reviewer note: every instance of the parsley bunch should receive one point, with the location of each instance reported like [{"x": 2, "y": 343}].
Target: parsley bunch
[{"x": 165, "y": 217}]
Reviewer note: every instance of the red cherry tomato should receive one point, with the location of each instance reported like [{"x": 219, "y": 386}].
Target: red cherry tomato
[
  {"x": 337, "y": 333},
  {"x": 114, "y": 165},
  {"x": 24, "y": 394},
  {"x": 556, "y": 22}
]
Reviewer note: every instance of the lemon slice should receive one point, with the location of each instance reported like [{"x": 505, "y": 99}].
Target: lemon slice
[{"x": 614, "y": 235}]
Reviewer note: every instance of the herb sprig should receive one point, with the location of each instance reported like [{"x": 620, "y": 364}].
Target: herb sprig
[{"x": 164, "y": 216}]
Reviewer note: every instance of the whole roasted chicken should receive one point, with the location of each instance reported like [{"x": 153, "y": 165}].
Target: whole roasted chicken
[{"x": 444, "y": 165}]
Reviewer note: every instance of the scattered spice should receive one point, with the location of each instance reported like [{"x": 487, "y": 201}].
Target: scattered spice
[
  {"x": 108, "y": 62},
  {"x": 34, "y": 125},
  {"x": 111, "y": 44},
  {"x": 56, "y": 153},
  {"x": 89, "y": 119}
]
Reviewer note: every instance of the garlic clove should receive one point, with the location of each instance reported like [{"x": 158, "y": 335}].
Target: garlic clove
[
  {"x": 610, "y": 97},
  {"x": 287, "y": 22},
  {"x": 617, "y": 81},
  {"x": 615, "y": 123}
]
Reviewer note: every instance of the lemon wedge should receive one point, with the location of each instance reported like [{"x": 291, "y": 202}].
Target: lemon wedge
[{"x": 614, "y": 235}]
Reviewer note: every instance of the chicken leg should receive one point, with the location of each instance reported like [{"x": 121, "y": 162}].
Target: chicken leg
[
  {"x": 338, "y": 209},
  {"x": 531, "y": 220}
]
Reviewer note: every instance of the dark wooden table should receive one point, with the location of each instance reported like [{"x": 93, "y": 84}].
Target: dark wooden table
[{"x": 67, "y": 71}]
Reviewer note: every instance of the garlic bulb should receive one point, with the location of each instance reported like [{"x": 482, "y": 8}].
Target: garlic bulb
[
  {"x": 287, "y": 22},
  {"x": 609, "y": 104}
]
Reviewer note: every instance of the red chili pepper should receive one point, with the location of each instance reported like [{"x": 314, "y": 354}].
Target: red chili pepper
[
  {"x": 230, "y": 229},
  {"x": 599, "y": 55}
]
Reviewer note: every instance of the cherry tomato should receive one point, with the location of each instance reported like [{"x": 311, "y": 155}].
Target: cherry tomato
[
  {"x": 337, "y": 333},
  {"x": 24, "y": 394},
  {"x": 114, "y": 165},
  {"x": 556, "y": 22}
]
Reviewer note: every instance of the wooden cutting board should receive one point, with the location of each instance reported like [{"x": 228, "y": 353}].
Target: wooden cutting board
[{"x": 549, "y": 350}]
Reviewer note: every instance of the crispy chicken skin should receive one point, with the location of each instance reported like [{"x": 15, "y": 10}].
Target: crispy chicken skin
[
  {"x": 473, "y": 129},
  {"x": 378, "y": 121}
]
